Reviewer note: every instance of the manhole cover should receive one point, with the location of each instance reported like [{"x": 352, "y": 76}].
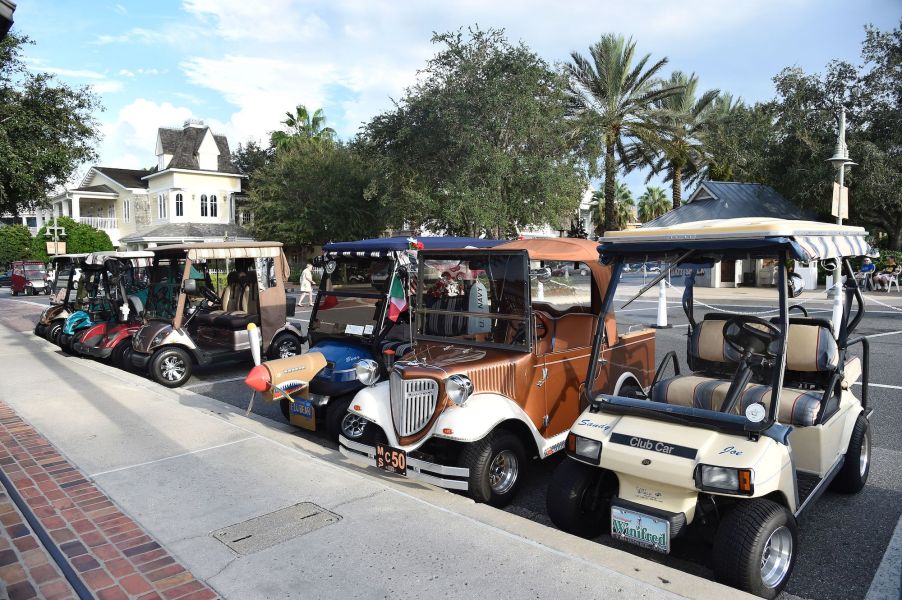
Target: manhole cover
[{"x": 274, "y": 528}]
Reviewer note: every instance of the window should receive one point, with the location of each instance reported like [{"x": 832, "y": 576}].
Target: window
[
  {"x": 126, "y": 211},
  {"x": 179, "y": 206},
  {"x": 214, "y": 210},
  {"x": 246, "y": 217},
  {"x": 111, "y": 211},
  {"x": 161, "y": 206},
  {"x": 203, "y": 205}
]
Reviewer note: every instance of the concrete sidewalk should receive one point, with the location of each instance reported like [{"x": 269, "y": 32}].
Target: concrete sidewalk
[{"x": 187, "y": 468}]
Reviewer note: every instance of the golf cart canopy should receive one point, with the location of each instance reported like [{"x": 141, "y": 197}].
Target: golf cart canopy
[
  {"x": 740, "y": 238},
  {"x": 97, "y": 258},
  {"x": 223, "y": 250},
  {"x": 566, "y": 249},
  {"x": 380, "y": 247}
]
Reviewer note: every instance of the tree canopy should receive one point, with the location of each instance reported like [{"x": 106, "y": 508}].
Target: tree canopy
[
  {"x": 15, "y": 244},
  {"x": 79, "y": 238},
  {"x": 46, "y": 129},
  {"x": 480, "y": 144}
]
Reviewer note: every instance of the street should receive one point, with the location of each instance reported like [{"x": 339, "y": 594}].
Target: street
[{"x": 842, "y": 538}]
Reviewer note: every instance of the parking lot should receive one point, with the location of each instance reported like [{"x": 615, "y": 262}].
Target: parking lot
[{"x": 843, "y": 538}]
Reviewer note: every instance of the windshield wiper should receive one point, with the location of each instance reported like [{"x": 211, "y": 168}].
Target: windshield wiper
[{"x": 658, "y": 279}]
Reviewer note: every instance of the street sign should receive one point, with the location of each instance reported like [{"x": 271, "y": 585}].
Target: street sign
[
  {"x": 840, "y": 201},
  {"x": 56, "y": 247}
]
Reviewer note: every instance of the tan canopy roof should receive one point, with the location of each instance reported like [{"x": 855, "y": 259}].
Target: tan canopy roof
[
  {"x": 574, "y": 249},
  {"x": 213, "y": 250}
]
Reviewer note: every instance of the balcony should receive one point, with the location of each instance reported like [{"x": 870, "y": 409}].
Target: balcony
[{"x": 104, "y": 223}]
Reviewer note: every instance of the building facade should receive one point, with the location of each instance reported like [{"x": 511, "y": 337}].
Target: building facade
[{"x": 193, "y": 194}]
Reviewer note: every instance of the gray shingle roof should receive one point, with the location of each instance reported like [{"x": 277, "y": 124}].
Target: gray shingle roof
[
  {"x": 730, "y": 200},
  {"x": 183, "y": 145},
  {"x": 188, "y": 232},
  {"x": 130, "y": 178},
  {"x": 96, "y": 188}
]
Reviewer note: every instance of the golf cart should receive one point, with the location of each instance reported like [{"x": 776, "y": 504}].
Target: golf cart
[
  {"x": 495, "y": 373},
  {"x": 190, "y": 319},
  {"x": 68, "y": 270},
  {"x": 356, "y": 317},
  {"x": 102, "y": 300},
  {"x": 125, "y": 279},
  {"x": 29, "y": 277},
  {"x": 764, "y": 423}
]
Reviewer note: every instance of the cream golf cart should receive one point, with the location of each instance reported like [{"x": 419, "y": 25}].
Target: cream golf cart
[{"x": 762, "y": 425}]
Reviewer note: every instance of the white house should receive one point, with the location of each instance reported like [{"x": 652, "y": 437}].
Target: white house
[{"x": 193, "y": 194}]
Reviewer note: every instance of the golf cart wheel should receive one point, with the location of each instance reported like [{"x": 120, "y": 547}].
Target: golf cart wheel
[
  {"x": 15, "y": 293},
  {"x": 335, "y": 414},
  {"x": 854, "y": 472},
  {"x": 53, "y": 331},
  {"x": 755, "y": 547},
  {"x": 284, "y": 345},
  {"x": 579, "y": 498},
  {"x": 496, "y": 463},
  {"x": 171, "y": 366},
  {"x": 121, "y": 356}
]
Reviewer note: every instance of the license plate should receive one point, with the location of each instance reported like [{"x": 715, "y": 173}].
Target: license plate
[
  {"x": 391, "y": 459},
  {"x": 640, "y": 529},
  {"x": 302, "y": 414}
]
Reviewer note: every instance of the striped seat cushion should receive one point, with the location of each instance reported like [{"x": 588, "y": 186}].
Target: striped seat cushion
[{"x": 797, "y": 407}]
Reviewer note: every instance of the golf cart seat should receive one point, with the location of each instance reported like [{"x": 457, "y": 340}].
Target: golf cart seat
[
  {"x": 246, "y": 311},
  {"x": 229, "y": 300},
  {"x": 811, "y": 360}
]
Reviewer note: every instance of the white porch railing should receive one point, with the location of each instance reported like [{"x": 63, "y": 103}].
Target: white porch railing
[{"x": 100, "y": 222}]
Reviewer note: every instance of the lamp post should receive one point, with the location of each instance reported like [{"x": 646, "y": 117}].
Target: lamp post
[{"x": 840, "y": 160}]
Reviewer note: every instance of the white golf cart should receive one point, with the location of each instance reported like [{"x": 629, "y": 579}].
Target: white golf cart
[{"x": 765, "y": 422}]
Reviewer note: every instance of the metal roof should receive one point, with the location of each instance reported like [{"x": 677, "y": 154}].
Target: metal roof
[
  {"x": 187, "y": 232},
  {"x": 730, "y": 200}
]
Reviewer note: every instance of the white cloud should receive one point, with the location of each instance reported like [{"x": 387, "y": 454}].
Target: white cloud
[
  {"x": 126, "y": 73},
  {"x": 129, "y": 139},
  {"x": 120, "y": 9},
  {"x": 74, "y": 73},
  {"x": 107, "y": 86}
]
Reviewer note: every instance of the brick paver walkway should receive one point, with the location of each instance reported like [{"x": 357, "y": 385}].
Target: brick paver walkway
[{"x": 113, "y": 555}]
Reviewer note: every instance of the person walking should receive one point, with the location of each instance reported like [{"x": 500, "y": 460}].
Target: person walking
[{"x": 306, "y": 285}]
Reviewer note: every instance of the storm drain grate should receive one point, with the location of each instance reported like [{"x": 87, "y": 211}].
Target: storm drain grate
[{"x": 274, "y": 528}]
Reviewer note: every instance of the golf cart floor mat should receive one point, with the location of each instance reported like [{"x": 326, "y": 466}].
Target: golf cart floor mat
[{"x": 807, "y": 482}]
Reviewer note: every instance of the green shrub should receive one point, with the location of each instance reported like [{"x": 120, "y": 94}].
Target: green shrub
[
  {"x": 15, "y": 244},
  {"x": 79, "y": 238}
]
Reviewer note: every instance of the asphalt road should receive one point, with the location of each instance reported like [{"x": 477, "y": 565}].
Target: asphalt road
[{"x": 842, "y": 538}]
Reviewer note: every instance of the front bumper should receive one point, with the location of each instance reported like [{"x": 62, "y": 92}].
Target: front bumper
[
  {"x": 140, "y": 360},
  {"x": 66, "y": 340},
  {"x": 92, "y": 351},
  {"x": 452, "y": 478}
]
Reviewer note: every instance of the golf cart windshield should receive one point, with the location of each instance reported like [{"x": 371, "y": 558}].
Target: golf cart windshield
[
  {"x": 353, "y": 296},
  {"x": 163, "y": 289},
  {"x": 35, "y": 272},
  {"x": 474, "y": 298},
  {"x": 754, "y": 366}
]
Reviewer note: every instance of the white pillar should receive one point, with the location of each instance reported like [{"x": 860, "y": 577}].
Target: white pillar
[
  {"x": 661, "y": 322},
  {"x": 837, "y": 304}
]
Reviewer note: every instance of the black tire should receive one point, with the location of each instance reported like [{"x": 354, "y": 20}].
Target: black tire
[
  {"x": 56, "y": 338},
  {"x": 121, "y": 356},
  {"x": 751, "y": 529},
  {"x": 496, "y": 464},
  {"x": 853, "y": 474},
  {"x": 579, "y": 498},
  {"x": 335, "y": 414},
  {"x": 284, "y": 345},
  {"x": 15, "y": 293},
  {"x": 171, "y": 366},
  {"x": 53, "y": 331}
]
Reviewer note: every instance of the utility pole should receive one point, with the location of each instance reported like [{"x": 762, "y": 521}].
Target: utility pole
[{"x": 840, "y": 160}]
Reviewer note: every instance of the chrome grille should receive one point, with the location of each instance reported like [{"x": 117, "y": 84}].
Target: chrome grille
[{"x": 412, "y": 403}]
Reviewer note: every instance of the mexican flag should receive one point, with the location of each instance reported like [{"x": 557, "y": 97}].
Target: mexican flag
[{"x": 397, "y": 300}]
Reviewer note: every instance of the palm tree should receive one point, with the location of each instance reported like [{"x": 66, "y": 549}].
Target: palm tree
[
  {"x": 614, "y": 103},
  {"x": 652, "y": 204},
  {"x": 681, "y": 153},
  {"x": 303, "y": 126},
  {"x": 624, "y": 206},
  {"x": 719, "y": 161}
]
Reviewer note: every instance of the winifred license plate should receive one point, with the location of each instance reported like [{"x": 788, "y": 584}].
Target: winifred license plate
[{"x": 640, "y": 529}]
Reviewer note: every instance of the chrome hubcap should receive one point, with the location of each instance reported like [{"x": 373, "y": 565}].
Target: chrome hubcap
[
  {"x": 352, "y": 426},
  {"x": 172, "y": 368},
  {"x": 503, "y": 472},
  {"x": 776, "y": 557},
  {"x": 287, "y": 349},
  {"x": 864, "y": 456}
]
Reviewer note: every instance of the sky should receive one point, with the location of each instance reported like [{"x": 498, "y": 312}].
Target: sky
[{"x": 240, "y": 65}]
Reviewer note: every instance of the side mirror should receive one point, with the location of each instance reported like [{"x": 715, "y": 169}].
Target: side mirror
[
  {"x": 190, "y": 286},
  {"x": 796, "y": 285}
]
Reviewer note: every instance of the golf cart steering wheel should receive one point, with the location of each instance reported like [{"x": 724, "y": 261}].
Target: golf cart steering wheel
[
  {"x": 543, "y": 325},
  {"x": 747, "y": 333},
  {"x": 209, "y": 295}
]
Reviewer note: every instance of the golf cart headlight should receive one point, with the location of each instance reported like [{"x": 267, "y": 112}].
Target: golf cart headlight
[
  {"x": 458, "y": 388},
  {"x": 367, "y": 371},
  {"x": 584, "y": 448},
  {"x": 724, "y": 479},
  {"x": 158, "y": 338}
]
